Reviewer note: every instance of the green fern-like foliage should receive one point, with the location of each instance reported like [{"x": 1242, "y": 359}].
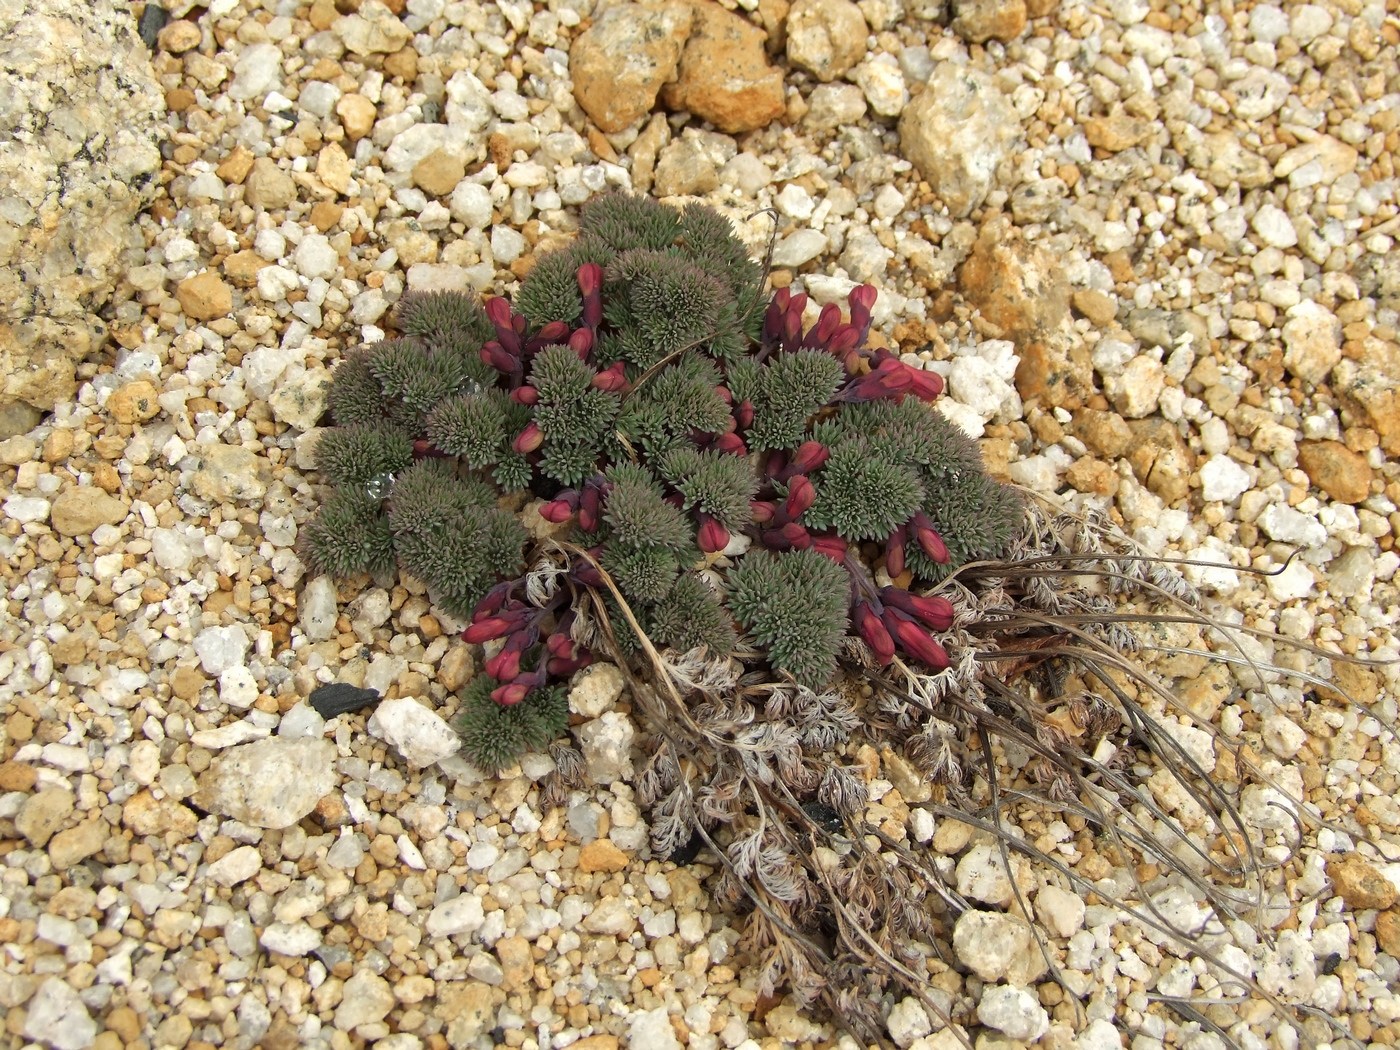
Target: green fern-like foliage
[
  {"x": 352, "y": 456},
  {"x": 450, "y": 534},
  {"x": 349, "y": 535},
  {"x": 794, "y": 605},
  {"x": 494, "y": 736},
  {"x": 862, "y": 495},
  {"x": 786, "y": 393},
  {"x": 690, "y": 616}
]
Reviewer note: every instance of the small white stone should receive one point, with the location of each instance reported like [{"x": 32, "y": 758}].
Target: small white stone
[
  {"x": 319, "y": 611},
  {"x": 290, "y": 938},
  {"x": 908, "y": 1021},
  {"x": 1283, "y": 736},
  {"x": 236, "y": 866},
  {"x": 1013, "y": 1011},
  {"x": 462, "y": 914},
  {"x": 274, "y": 282},
  {"x": 1223, "y": 480},
  {"x": 606, "y": 742},
  {"x": 231, "y": 735},
  {"x": 596, "y": 690},
  {"x": 652, "y": 1029},
  {"x": 1061, "y": 911},
  {"x": 1274, "y": 227},
  {"x": 26, "y": 509},
  {"x": 316, "y": 258},
  {"x": 799, "y": 248},
  {"x": 1294, "y": 582},
  {"x": 795, "y": 203},
  {"x": 1283, "y": 523},
  {"x": 220, "y": 648},
  {"x": 507, "y": 245},
  {"x": 59, "y": 1017},
  {"x": 882, "y": 81},
  {"x": 417, "y": 733}
]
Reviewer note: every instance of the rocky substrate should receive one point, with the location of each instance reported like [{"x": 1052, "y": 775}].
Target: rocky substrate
[{"x": 1150, "y": 246}]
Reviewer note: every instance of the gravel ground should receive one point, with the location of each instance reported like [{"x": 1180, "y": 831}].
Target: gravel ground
[{"x": 1151, "y": 246}]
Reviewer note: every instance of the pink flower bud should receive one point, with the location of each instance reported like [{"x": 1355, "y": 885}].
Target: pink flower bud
[
  {"x": 917, "y": 642},
  {"x": 491, "y": 627},
  {"x": 525, "y": 395},
  {"x": 561, "y": 508},
  {"x": 928, "y": 538},
  {"x": 504, "y": 666},
  {"x": 498, "y": 310},
  {"x": 732, "y": 444},
  {"x": 588, "y": 507},
  {"x": 935, "y": 611},
  {"x": 810, "y": 455},
  {"x": 833, "y": 547},
  {"x": 925, "y": 385},
  {"x": 581, "y": 342},
  {"x": 894, "y": 551},
  {"x": 743, "y": 414},
  {"x": 712, "y": 536},
  {"x": 613, "y": 378},
  {"x": 510, "y": 695},
  {"x": 801, "y": 495},
  {"x": 763, "y": 511},
  {"x": 529, "y": 439},
  {"x": 874, "y": 633}
]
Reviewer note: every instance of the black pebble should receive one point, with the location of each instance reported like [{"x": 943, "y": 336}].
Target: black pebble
[
  {"x": 687, "y": 853},
  {"x": 153, "y": 20},
  {"x": 339, "y": 697},
  {"x": 823, "y": 816}
]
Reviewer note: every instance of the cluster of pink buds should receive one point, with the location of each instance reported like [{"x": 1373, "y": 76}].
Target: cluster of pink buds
[
  {"x": 895, "y": 619},
  {"x": 922, "y": 531},
  {"x": 499, "y": 615},
  {"x": 511, "y": 349}
]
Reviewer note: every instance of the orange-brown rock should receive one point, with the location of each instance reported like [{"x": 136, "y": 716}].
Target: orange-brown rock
[
  {"x": 1019, "y": 288},
  {"x": 621, "y": 61},
  {"x": 1359, "y": 883},
  {"x": 1160, "y": 459},
  {"x": 601, "y": 855},
  {"x": 724, "y": 74},
  {"x": 1338, "y": 471}
]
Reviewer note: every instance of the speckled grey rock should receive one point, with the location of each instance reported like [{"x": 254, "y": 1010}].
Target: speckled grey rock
[{"x": 80, "y": 103}]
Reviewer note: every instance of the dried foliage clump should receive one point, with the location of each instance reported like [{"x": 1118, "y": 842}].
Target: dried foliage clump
[{"x": 808, "y": 578}]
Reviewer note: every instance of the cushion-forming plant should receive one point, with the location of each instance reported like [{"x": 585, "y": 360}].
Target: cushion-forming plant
[{"x": 743, "y": 477}]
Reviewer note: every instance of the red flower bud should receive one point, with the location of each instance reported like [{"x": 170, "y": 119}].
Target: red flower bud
[
  {"x": 588, "y": 506},
  {"x": 560, "y": 645},
  {"x": 529, "y": 439},
  {"x": 725, "y": 394},
  {"x": 586, "y": 574},
  {"x": 743, "y": 414},
  {"x": 874, "y": 633},
  {"x": 505, "y": 665},
  {"x": 929, "y": 540},
  {"x": 925, "y": 385},
  {"x": 525, "y": 395},
  {"x": 916, "y": 641},
  {"x": 561, "y": 667},
  {"x": 733, "y": 444},
  {"x": 581, "y": 342},
  {"x": 935, "y": 611},
  {"x": 590, "y": 278},
  {"x": 790, "y": 537},
  {"x": 763, "y": 510},
  {"x": 833, "y": 547},
  {"x": 801, "y": 495},
  {"x": 551, "y": 334},
  {"x": 491, "y": 602},
  {"x": 894, "y": 551},
  {"x": 510, "y": 695},
  {"x": 712, "y": 536},
  {"x": 825, "y": 328},
  {"x": 613, "y": 378},
  {"x": 773, "y": 316},
  {"x": 491, "y": 627},
  {"x": 499, "y": 358},
  {"x": 561, "y": 508},
  {"x": 498, "y": 310},
  {"x": 810, "y": 455}
]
